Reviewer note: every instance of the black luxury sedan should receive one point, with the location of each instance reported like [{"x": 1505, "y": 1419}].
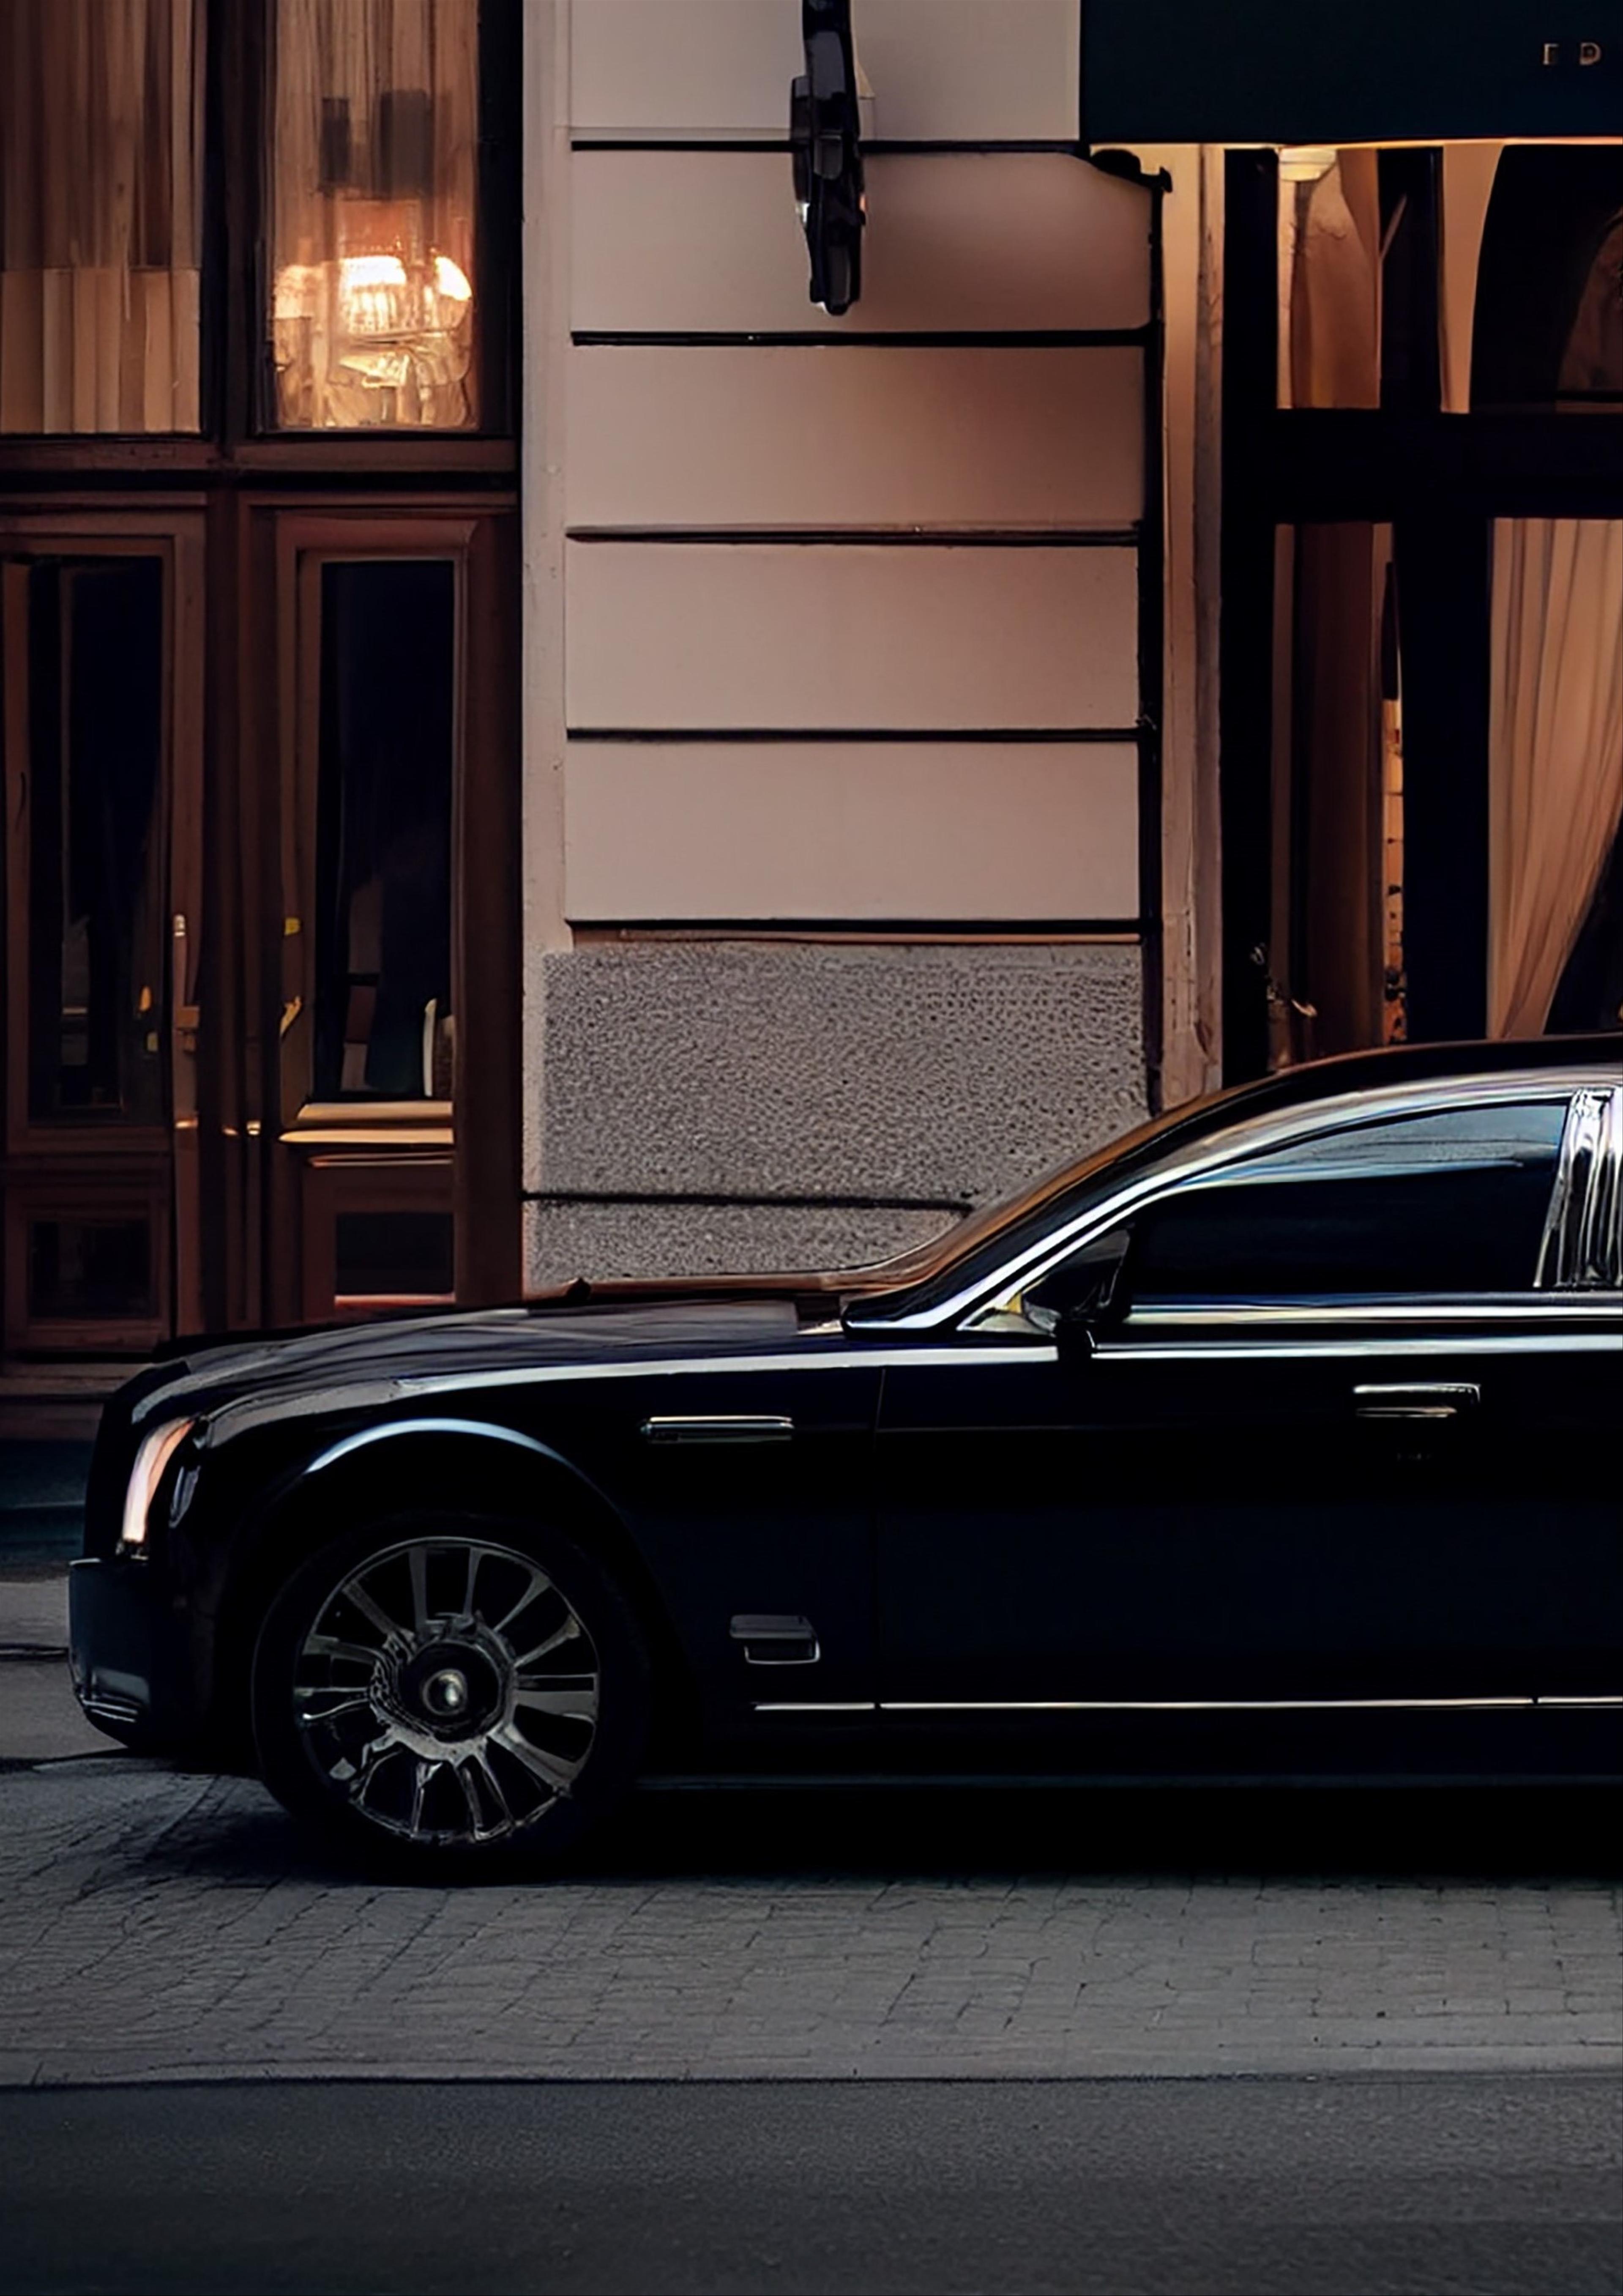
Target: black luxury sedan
[{"x": 1280, "y": 1439}]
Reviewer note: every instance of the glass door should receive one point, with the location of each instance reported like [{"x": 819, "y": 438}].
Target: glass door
[
  {"x": 101, "y": 696},
  {"x": 390, "y": 897}
]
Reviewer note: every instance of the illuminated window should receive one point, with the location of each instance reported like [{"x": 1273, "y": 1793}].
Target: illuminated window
[{"x": 375, "y": 155}]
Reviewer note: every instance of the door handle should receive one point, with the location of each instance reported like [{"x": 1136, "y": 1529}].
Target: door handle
[{"x": 1427, "y": 1399}]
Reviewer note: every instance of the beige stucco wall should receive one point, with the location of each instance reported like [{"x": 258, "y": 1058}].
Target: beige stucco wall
[{"x": 826, "y": 629}]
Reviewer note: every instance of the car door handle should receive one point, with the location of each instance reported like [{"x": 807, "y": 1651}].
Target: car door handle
[{"x": 1430, "y": 1399}]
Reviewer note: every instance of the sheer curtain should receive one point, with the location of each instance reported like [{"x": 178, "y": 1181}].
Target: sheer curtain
[
  {"x": 1556, "y": 775},
  {"x": 1329, "y": 278},
  {"x": 374, "y": 173},
  {"x": 101, "y": 214}
]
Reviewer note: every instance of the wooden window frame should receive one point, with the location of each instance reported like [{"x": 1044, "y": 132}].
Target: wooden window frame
[
  {"x": 331, "y": 1184},
  {"x": 234, "y": 346},
  {"x": 119, "y": 1193}
]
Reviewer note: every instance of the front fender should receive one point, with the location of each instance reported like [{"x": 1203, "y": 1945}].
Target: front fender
[{"x": 459, "y": 1464}]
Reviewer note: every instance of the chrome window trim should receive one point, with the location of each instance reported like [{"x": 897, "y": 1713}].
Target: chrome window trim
[
  {"x": 1533, "y": 1307},
  {"x": 1187, "y": 1166},
  {"x": 1557, "y": 1342},
  {"x": 1583, "y": 1243}
]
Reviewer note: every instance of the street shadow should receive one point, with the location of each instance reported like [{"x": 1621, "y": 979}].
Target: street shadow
[{"x": 955, "y": 1834}]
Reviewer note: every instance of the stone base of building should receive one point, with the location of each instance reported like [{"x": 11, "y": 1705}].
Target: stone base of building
[{"x": 754, "y": 1106}]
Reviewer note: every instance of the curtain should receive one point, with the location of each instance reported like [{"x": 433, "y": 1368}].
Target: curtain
[
  {"x": 374, "y": 174},
  {"x": 101, "y": 214},
  {"x": 1330, "y": 280},
  {"x": 1555, "y": 772},
  {"x": 1468, "y": 185}
]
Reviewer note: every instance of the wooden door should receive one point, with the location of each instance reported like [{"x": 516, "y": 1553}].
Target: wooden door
[
  {"x": 385, "y": 856},
  {"x": 101, "y": 712}
]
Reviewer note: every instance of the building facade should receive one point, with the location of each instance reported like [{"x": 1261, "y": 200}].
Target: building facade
[{"x": 533, "y": 749}]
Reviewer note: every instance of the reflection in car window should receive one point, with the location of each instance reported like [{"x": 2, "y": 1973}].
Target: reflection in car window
[{"x": 1450, "y": 1201}]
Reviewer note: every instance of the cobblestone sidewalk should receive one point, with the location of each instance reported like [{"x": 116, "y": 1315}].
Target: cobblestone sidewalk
[{"x": 153, "y": 1925}]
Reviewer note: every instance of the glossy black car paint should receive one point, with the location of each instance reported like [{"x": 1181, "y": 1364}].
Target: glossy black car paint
[{"x": 1083, "y": 1559}]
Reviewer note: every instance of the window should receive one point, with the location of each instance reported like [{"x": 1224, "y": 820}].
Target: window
[
  {"x": 374, "y": 151},
  {"x": 1450, "y": 1201},
  {"x": 101, "y": 215},
  {"x": 90, "y": 1270},
  {"x": 383, "y": 835},
  {"x": 1549, "y": 310},
  {"x": 87, "y": 871}
]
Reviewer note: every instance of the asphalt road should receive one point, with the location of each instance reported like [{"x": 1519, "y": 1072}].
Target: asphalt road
[{"x": 1366, "y": 2187}]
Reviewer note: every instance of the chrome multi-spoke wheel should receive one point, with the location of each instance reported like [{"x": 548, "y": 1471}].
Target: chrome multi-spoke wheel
[{"x": 450, "y": 1690}]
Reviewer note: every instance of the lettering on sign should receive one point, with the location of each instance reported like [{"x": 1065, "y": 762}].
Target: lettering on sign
[{"x": 1589, "y": 52}]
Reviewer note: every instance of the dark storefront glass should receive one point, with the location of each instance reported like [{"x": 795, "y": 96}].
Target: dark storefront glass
[
  {"x": 95, "y": 879},
  {"x": 395, "y": 1255},
  {"x": 383, "y": 845},
  {"x": 86, "y": 1270},
  {"x": 1549, "y": 320}
]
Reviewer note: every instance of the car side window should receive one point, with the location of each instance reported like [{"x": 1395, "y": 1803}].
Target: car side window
[{"x": 1454, "y": 1200}]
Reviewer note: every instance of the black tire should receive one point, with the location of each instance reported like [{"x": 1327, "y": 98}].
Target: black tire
[{"x": 486, "y": 1762}]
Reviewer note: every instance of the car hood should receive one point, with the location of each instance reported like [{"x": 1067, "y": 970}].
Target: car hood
[{"x": 360, "y": 1365}]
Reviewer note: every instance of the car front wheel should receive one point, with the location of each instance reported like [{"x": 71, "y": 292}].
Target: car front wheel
[{"x": 459, "y": 1693}]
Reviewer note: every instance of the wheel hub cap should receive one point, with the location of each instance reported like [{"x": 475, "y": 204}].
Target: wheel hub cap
[
  {"x": 455, "y": 1688},
  {"x": 445, "y": 1692},
  {"x": 448, "y": 1691}
]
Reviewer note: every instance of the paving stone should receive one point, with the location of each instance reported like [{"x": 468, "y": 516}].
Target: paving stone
[{"x": 159, "y": 1926}]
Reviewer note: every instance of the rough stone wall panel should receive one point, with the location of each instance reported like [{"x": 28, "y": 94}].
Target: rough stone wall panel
[
  {"x": 913, "y": 1074},
  {"x": 569, "y": 1239}
]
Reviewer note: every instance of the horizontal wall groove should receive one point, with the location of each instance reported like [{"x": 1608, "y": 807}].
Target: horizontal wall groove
[
  {"x": 880, "y": 147},
  {"x": 900, "y": 339},
  {"x": 1043, "y": 932},
  {"x": 701, "y": 1201},
  {"x": 667, "y": 737},
  {"x": 869, "y": 537}
]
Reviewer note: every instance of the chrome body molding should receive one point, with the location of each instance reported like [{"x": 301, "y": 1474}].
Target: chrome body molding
[
  {"x": 1493, "y": 1703},
  {"x": 720, "y": 1427},
  {"x": 857, "y": 1358}
]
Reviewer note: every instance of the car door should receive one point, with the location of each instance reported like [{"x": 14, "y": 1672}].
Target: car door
[{"x": 1334, "y": 1444}]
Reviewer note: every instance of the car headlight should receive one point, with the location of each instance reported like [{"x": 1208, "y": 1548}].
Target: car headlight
[{"x": 157, "y": 1450}]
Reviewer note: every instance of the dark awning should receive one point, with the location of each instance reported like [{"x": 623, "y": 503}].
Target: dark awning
[{"x": 1348, "y": 71}]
